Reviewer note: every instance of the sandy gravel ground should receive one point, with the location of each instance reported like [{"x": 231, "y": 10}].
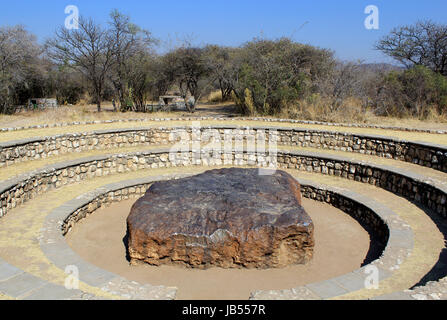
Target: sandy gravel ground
[{"x": 341, "y": 246}]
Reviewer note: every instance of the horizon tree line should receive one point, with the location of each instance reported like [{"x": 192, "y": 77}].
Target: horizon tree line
[{"x": 267, "y": 77}]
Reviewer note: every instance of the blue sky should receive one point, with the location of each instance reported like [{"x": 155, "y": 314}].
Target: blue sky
[{"x": 337, "y": 25}]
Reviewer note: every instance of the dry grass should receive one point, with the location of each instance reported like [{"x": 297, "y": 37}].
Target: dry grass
[
  {"x": 77, "y": 113},
  {"x": 305, "y": 110},
  {"x": 214, "y": 97},
  {"x": 320, "y": 109},
  {"x": 352, "y": 112}
]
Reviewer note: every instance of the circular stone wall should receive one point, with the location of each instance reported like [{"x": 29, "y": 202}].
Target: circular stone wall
[
  {"x": 27, "y": 196},
  {"x": 341, "y": 247}
]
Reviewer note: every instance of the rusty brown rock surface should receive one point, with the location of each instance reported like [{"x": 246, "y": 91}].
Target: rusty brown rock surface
[{"x": 225, "y": 217}]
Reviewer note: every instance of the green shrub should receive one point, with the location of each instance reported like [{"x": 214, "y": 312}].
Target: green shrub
[
  {"x": 414, "y": 92},
  {"x": 277, "y": 73}
]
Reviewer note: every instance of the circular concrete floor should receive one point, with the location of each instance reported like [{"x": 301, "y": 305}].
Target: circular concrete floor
[{"x": 341, "y": 245}]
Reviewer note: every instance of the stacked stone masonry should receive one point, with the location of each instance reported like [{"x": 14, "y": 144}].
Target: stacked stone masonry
[
  {"x": 22, "y": 188},
  {"x": 384, "y": 226},
  {"x": 424, "y": 154},
  {"x": 412, "y": 186}
]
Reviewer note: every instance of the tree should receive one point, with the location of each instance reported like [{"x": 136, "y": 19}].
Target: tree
[
  {"x": 162, "y": 75},
  {"x": 415, "y": 92},
  {"x": 222, "y": 65},
  {"x": 129, "y": 40},
  {"x": 343, "y": 82},
  {"x": 20, "y": 67},
  {"x": 88, "y": 49},
  {"x": 189, "y": 67},
  {"x": 424, "y": 43},
  {"x": 277, "y": 73},
  {"x": 139, "y": 78},
  {"x": 67, "y": 85}
]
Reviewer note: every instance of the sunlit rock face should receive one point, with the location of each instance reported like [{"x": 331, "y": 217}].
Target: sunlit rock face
[{"x": 228, "y": 218}]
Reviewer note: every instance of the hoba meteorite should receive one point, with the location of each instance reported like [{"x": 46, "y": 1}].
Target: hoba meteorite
[{"x": 228, "y": 218}]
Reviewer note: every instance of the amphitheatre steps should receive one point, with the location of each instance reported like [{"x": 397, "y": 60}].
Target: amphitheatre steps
[
  {"x": 422, "y": 153},
  {"x": 407, "y": 183},
  {"x": 76, "y": 190},
  {"x": 386, "y": 173}
]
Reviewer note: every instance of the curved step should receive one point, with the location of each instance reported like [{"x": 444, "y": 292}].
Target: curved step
[{"x": 426, "y": 154}]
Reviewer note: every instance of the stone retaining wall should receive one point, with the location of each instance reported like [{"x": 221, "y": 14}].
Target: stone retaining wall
[
  {"x": 387, "y": 230},
  {"x": 410, "y": 185},
  {"x": 424, "y": 154},
  {"x": 103, "y": 200},
  {"x": 368, "y": 219},
  {"x": 17, "y": 190}
]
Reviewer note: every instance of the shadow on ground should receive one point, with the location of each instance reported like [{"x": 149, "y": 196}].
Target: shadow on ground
[{"x": 439, "y": 270}]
